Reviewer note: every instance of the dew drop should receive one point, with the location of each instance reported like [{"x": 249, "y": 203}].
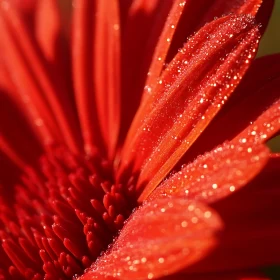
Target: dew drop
[
  {"x": 184, "y": 224},
  {"x": 143, "y": 260},
  {"x": 207, "y": 214},
  {"x": 194, "y": 220},
  {"x": 214, "y": 186}
]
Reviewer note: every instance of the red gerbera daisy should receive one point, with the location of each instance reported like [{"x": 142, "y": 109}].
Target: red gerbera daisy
[{"x": 119, "y": 156}]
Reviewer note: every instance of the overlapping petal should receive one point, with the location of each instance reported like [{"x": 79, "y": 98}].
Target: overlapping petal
[
  {"x": 171, "y": 235},
  {"x": 256, "y": 93},
  {"x": 144, "y": 13},
  {"x": 251, "y": 217},
  {"x": 264, "y": 127},
  {"x": 45, "y": 95},
  {"x": 230, "y": 275},
  {"x": 188, "y": 95},
  {"x": 145, "y": 249},
  {"x": 216, "y": 174}
]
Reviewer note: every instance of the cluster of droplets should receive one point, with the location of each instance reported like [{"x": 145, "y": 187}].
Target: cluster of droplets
[
  {"x": 136, "y": 252},
  {"x": 61, "y": 218},
  {"x": 215, "y": 174}
]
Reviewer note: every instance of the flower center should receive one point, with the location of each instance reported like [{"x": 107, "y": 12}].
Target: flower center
[{"x": 61, "y": 218}]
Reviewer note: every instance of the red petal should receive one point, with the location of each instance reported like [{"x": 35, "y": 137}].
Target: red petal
[
  {"x": 96, "y": 73},
  {"x": 52, "y": 28},
  {"x": 264, "y": 127},
  {"x": 189, "y": 94},
  {"x": 251, "y": 217},
  {"x": 142, "y": 15},
  {"x": 230, "y": 275},
  {"x": 192, "y": 13},
  {"x": 256, "y": 92},
  {"x": 36, "y": 85},
  {"x": 106, "y": 72},
  {"x": 163, "y": 44},
  {"x": 146, "y": 249},
  {"x": 82, "y": 51},
  {"x": 25, "y": 6},
  {"x": 32, "y": 103},
  {"x": 141, "y": 31},
  {"x": 216, "y": 174},
  {"x": 199, "y": 12},
  {"x": 48, "y": 26}
]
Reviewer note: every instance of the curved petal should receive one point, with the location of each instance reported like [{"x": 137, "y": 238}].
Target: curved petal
[
  {"x": 255, "y": 94},
  {"x": 83, "y": 73},
  {"x": 216, "y": 174},
  {"x": 141, "y": 30},
  {"x": 264, "y": 127},
  {"x": 25, "y": 6},
  {"x": 145, "y": 249},
  {"x": 106, "y": 74},
  {"x": 230, "y": 275},
  {"x": 151, "y": 16},
  {"x": 48, "y": 27},
  {"x": 251, "y": 217},
  {"x": 199, "y": 12},
  {"x": 189, "y": 94},
  {"x": 37, "y": 86}
]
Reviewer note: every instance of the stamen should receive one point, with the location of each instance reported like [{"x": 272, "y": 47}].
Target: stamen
[{"x": 61, "y": 219}]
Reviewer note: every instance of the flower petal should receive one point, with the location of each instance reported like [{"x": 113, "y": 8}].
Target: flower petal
[
  {"x": 199, "y": 12},
  {"x": 107, "y": 75},
  {"x": 230, "y": 275},
  {"x": 48, "y": 27},
  {"x": 145, "y": 249},
  {"x": 257, "y": 91},
  {"x": 25, "y": 6},
  {"x": 52, "y": 33},
  {"x": 96, "y": 83},
  {"x": 216, "y": 174},
  {"x": 251, "y": 217},
  {"x": 162, "y": 46},
  {"x": 37, "y": 86},
  {"x": 188, "y": 95},
  {"x": 196, "y": 14},
  {"x": 264, "y": 127},
  {"x": 141, "y": 31},
  {"x": 151, "y": 16},
  {"x": 82, "y": 50}
]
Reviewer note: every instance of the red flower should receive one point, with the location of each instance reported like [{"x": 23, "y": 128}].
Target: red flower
[{"x": 104, "y": 154}]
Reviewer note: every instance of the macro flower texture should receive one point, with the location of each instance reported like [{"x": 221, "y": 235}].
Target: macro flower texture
[{"x": 133, "y": 140}]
